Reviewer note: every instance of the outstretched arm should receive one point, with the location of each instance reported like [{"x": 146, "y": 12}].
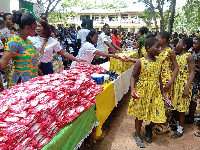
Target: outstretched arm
[
  {"x": 134, "y": 76},
  {"x": 175, "y": 71},
  {"x": 191, "y": 65},
  {"x": 69, "y": 56},
  {"x": 106, "y": 55},
  {"x": 110, "y": 46}
]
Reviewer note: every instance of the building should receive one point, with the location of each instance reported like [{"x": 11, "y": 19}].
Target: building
[
  {"x": 129, "y": 19},
  {"x": 4, "y": 7}
]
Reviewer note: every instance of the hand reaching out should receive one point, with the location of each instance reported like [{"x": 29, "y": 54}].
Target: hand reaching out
[{"x": 80, "y": 60}]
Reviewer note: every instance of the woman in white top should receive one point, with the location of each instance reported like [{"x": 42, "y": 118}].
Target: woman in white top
[
  {"x": 50, "y": 45},
  {"x": 88, "y": 51}
]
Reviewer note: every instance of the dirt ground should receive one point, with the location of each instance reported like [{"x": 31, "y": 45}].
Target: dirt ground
[{"x": 120, "y": 129}]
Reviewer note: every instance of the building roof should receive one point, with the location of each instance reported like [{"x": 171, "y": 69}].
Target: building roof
[{"x": 120, "y": 10}]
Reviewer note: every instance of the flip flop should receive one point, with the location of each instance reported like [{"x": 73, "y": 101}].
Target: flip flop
[{"x": 139, "y": 141}]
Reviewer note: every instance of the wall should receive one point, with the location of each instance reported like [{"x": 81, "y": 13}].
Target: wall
[{"x": 5, "y": 6}]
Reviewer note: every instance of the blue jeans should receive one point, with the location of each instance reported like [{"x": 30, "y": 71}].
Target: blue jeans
[{"x": 46, "y": 68}]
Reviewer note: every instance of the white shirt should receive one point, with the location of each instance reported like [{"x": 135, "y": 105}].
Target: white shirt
[
  {"x": 82, "y": 35},
  {"x": 52, "y": 46},
  {"x": 86, "y": 52},
  {"x": 101, "y": 46}
]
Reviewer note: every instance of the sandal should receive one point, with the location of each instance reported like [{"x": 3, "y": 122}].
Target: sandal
[
  {"x": 140, "y": 143},
  {"x": 197, "y": 134},
  {"x": 162, "y": 129},
  {"x": 176, "y": 135},
  {"x": 148, "y": 136}
]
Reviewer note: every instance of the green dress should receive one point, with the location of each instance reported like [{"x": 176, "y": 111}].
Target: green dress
[{"x": 141, "y": 41}]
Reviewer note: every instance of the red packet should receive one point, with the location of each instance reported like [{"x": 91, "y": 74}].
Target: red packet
[{"x": 136, "y": 95}]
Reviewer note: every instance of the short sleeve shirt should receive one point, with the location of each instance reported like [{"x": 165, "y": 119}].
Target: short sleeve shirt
[
  {"x": 52, "y": 46},
  {"x": 25, "y": 59},
  {"x": 86, "y": 52},
  {"x": 82, "y": 35},
  {"x": 101, "y": 46}
]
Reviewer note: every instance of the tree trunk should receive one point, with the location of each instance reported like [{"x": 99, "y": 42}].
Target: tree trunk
[
  {"x": 154, "y": 15},
  {"x": 52, "y": 9},
  {"x": 171, "y": 20},
  {"x": 160, "y": 9}
]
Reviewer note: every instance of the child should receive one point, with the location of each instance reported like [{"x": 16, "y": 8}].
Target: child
[
  {"x": 183, "y": 83},
  {"x": 167, "y": 58},
  {"x": 150, "y": 105},
  {"x": 193, "y": 104}
]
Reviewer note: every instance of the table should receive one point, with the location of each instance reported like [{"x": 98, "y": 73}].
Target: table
[
  {"x": 72, "y": 135},
  {"x": 105, "y": 103},
  {"x": 110, "y": 96},
  {"x": 118, "y": 66},
  {"x": 122, "y": 84}
]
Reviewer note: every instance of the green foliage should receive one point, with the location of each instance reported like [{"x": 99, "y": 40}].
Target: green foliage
[
  {"x": 60, "y": 16},
  {"x": 148, "y": 16},
  {"x": 116, "y": 4},
  {"x": 188, "y": 17},
  {"x": 156, "y": 7}
]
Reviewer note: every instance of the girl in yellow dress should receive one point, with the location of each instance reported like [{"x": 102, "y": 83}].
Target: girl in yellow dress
[
  {"x": 183, "y": 83},
  {"x": 150, "y": 105},
  {"x": 167, "y": 58}
]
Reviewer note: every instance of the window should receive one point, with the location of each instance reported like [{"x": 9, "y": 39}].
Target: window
[
  {"x": 133, "y": 15},
  {"x": 103, "y": 16},
  {"x": 140, "y": 16},
  {"x": 124, "y": 16},
  {"x": 125, "y": 30},
  {"x": 84, "y": 17},
  {"x": 132, "y": 30},
  {"x": 95, "y": 17},
  {"x": 113, "y": 17}
]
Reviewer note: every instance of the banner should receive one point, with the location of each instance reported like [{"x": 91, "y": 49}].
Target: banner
[{"x": 35, "y": 9}]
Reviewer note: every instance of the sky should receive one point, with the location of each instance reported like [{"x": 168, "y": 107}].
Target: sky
[{"x": 15, "y": 3}]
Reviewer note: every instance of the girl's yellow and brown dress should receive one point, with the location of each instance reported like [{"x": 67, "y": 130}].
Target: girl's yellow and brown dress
[
  {"x": 166, "y": 74},
  {"x": 181, "y": 104},
  {"x": 150, "y": 106}
]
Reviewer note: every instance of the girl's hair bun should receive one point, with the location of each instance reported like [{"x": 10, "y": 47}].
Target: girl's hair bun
[{"x": 17, "y": 15}]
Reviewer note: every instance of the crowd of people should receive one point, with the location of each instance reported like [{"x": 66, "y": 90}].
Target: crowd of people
[{"x": 166, "y": 69}]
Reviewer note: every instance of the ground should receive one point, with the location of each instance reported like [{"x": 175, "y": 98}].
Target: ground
[{"x": 120, "y": 129}]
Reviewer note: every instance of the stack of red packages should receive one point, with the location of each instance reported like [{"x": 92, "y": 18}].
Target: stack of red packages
[
  {"x": 90, "y": 69},
  {"x": 31, "y": 113}
]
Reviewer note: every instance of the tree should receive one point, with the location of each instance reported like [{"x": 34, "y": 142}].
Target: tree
[
  {"x": 51, "y": 4},
  {"x": 60, "y": 16},
  {"x": 188, "y": 17},
  {"x": 172, "y": 16},
  {"x": 104, "y": 5},
  {"x": 156, "y": 8}
]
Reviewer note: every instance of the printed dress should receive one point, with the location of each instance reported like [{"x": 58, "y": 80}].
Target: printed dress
[
  {"x": 196, "y": 80},
  {"x": 143, "y": 50},
  {"x": 25, "y": 60},
  {"x": 181, "y": 104},
  {"x": 166, "y": 70},
  {"x": 150, "y": 106}
]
